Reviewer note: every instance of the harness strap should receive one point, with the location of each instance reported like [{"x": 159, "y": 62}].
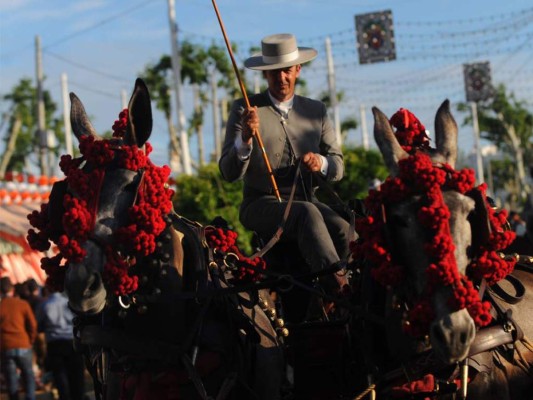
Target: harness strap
[
  {"x": 277, "y": 235},
  {"x": 486, "y": 339},
  {"x": 198, "y": 384},
  {"x": 489, "y": 338},
  {"x": 518, "y": 286},
  {"x": 95, "y": 335},
  {"x": 524, "y": 263},
  {"x": 228, "y": 384}
]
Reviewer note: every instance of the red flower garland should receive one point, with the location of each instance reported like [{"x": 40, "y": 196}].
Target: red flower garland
[
  {"x": 223, "y": 241},
  {"x": 135, "y": 240},
  {"x": 146, "y": 217},
  {"x": 418, "y": 175}
]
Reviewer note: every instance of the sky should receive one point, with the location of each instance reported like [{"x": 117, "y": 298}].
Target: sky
[{"x": 103, "y": 45}]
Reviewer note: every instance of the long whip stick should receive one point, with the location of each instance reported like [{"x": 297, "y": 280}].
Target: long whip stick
[{"x": 256, "y": 133}]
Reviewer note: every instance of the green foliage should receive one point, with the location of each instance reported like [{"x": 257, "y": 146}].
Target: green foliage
[
  {"x": 497, "y": 114},
  {"x": 206, "y": 196},
  {"x": 506, "y": 122},
  {"x": 326, "y": 98},
  {"x": 23, "y": 99},
  {"x": 503, "y": 177},
  {"x": 193, "y": 59},
  {"x": 361, "y": 168},
  {"x": 158, "y": 77},
  {"x": 504, "y": 172}
]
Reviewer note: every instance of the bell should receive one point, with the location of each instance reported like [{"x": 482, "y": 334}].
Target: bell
[
  {"x": 279, "y": 323},
  {"x": 283, "y": 332}
]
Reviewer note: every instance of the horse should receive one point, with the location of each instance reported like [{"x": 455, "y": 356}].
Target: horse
[
  {"x": 163, "y": 307},
  {"x": 451, "y": 311}
]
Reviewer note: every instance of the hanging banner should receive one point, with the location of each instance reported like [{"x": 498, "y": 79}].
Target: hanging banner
[
  {"x": 478, "y": 86},
  {"x": 375, "y": 37}
]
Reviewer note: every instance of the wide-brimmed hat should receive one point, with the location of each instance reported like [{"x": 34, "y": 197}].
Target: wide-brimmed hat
[{"x": 279, "y": 51}]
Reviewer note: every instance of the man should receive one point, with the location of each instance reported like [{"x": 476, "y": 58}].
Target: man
[
  {"x": 18, "y": 330},
  {"x": 54, "y": 318},
  {"x": 293, "y": 128}
]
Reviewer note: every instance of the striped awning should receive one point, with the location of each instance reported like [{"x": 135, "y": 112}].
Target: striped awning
[{"x": 18, "y": 198}]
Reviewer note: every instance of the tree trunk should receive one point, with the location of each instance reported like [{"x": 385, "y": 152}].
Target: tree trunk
[
  {"x": 216, "y": 117},
  {"x": 199, "y": 130},
  {"x": 10, "y": 146},
  {"x": 175, "y": 148},
  {"x": 519, "y": 158}
]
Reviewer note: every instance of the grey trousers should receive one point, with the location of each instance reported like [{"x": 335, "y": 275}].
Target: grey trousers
[{"x": 322, "y": 235}]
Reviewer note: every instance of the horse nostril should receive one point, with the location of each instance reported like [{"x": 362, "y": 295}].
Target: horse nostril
[
  {"x": 95, "y": 284},
  {"x": 463, "y": 337},
  {"x": 437, "y": 334}
]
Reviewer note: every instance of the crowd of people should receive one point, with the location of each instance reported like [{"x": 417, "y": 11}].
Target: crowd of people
[{"x": 36, "y": 343}]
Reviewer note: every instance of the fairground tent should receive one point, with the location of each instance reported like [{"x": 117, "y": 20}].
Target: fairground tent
[{"x": 19, "y": 196}]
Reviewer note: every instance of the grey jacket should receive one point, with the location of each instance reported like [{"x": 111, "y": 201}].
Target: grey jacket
[{"x": 307, "y": 128}]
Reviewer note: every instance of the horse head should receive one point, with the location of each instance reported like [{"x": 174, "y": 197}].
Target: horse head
[
  {"x": 415, "y": 225},
  {"x": 95, "y": 204},
  {"x": 112, "y": 198},
  {"x": 121, "y": 257}
]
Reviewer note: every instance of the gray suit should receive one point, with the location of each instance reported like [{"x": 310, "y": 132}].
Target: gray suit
[{"x": 306, "y": 129}]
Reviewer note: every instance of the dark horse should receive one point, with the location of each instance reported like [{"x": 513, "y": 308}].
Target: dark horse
[
  {"x": 428, "y": 264},
  {"x": 160, "y": 312}
]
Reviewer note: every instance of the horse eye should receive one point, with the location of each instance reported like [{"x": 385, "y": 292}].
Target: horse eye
[
  {"x": 472, "y": 215},
  {"x": 131, "y": 187}
]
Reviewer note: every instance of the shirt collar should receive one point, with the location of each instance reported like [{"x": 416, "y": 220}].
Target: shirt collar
[{"x": 282, "y": 106}]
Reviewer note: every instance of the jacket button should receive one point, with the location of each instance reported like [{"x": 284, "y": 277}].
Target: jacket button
[
  {"x": 280, "y": 139},
  {"x": 278, "y": 155}
]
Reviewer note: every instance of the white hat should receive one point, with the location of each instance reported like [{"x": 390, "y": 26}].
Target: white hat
[{"x": 279, "y": 51}]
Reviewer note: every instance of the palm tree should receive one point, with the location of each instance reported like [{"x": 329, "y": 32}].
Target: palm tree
[{"x": 22, "y": 140}]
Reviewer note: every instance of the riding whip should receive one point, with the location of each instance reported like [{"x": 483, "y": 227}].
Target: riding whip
[{"x": 256, "y": 133}]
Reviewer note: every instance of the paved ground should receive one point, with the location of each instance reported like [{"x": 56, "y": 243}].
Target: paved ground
[{"x": 50, "y": 394}]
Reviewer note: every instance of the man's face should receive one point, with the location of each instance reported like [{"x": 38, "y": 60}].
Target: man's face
[{"x": 281, "y": 82}]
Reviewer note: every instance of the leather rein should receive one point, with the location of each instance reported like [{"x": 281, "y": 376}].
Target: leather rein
[{"x": 505, "y": 332}]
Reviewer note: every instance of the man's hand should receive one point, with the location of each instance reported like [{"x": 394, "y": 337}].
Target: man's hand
[
  {"x": 250, "y": 124},
  {"x": 312, "y": 161}
]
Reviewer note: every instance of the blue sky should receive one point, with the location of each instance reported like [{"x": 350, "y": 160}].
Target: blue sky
[{"x": 103, "y": 45}]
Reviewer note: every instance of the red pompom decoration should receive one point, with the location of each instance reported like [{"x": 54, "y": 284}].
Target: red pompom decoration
[
  {"x": 419, "y": 176},
  {"x": 146, "y": 215}
]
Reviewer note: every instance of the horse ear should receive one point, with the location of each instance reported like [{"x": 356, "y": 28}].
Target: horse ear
[
  {"x": 139, "y": 116},
  {"x": 481, "y": 222},
  {"x": 388, "y": 144},
  {"x": 81, "y": 126},
  {"x": 445, "y": 135}
]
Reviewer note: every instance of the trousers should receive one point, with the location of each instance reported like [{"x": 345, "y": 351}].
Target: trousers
[
  {"x": 322, "y": 235},
  {"x": 67, "y": 369},
  {"x": 22, "y": 359}
]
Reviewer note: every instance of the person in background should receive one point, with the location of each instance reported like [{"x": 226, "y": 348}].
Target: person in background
[
  {"x": 54, "y": 318},
  {"x": 18, "y": 330},
  {"x": 518, "y": 225},
  {"x": 33, "y": 295}
]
